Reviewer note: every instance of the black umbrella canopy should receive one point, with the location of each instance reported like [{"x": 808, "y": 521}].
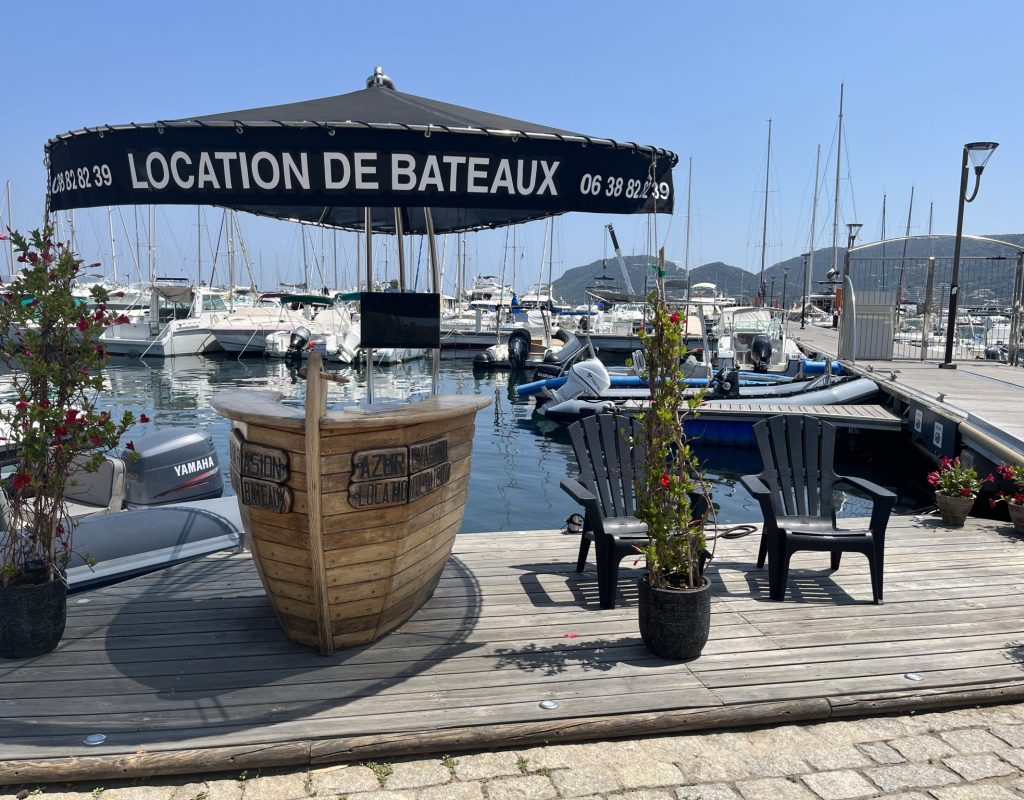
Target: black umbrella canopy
[{"x": 325, "y": 161}]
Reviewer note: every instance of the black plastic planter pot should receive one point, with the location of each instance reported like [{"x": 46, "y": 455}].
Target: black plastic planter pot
[
  {"x": 675, "y": 623},
  {"x": 32, "y": 618}
]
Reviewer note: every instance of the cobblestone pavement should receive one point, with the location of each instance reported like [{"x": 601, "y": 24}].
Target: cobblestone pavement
[{"x": 968, "y": 754}]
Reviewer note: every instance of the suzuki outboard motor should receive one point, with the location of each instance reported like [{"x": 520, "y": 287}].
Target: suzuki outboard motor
[
  {"x": 761, "y": 352},
  {"x": 726, "y": 384},
  {"x": 519, "y": 343},
  {"x": 172, "y": 465},
  {"x": 588, "y": 377}
]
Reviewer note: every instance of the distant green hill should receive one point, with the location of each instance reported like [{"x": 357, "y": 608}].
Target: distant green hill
[{"x": 742, "y": 284}]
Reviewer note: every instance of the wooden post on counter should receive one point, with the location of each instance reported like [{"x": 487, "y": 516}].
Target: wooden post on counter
[{"x": 316, "y": 407}]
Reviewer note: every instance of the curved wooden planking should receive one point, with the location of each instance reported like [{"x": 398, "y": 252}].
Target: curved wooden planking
[{"x": 373, "y": 501}]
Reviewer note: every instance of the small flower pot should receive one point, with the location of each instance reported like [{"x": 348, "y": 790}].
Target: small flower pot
[
  {"x": 1016, "y": 515},
  {"x": 32, "y": 618},
  {"x": 954, "y": 510}
]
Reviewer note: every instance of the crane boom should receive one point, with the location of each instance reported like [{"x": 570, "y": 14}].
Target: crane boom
[{"x": 618, "y": 254}]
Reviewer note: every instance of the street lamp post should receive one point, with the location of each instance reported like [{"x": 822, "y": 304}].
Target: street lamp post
[
  {"x": 803, "y": 307},
  {"x": 852, "y": 229},
  {"x": 979, "y": 153}
]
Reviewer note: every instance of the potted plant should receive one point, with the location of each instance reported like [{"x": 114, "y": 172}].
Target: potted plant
[
  {"x": 50, "y": 341},
  {"x": 674, "y": 595},
  {"x": 1012, "y": 473},
  {"x": 956, "y": 488}
]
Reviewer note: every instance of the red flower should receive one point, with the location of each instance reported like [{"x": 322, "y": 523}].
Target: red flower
[
  {"x": 44, "y": 403},
  {"x": 965, "y": 491},
  {"x": 312, "y": 346},
  {"x": 21, "y": 405},
  {"x": 130, "y": 446},
  {"x": 665, "y": 480},
  {"x": 60, "y": 430},
  {"x": 97, "y": 315},
  {"x": 95, "y": 440},
  {"x": 674, "y": 318},
  {"x": 21, "y": 480},
  {"x": 143, "y": 418},
  {"x": 121, "y": 319},
  {"x": 83, "y": 324}
]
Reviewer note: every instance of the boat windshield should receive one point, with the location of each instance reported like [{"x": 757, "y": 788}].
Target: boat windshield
[{"x": 213, "y": 302}]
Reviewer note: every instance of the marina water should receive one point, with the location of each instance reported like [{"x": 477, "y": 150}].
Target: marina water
[{"x": 518, "y": 458}]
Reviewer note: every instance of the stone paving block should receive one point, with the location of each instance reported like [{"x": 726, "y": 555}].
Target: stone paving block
[
  {"x": 341, "y": 779},
  {"x": 775, "y": 765},
  {"x": 773, "y": 789},
  {"x": 584, "y": 780},
  {"x": 460, "y": 790},
  {"x": 881, "y": 753},
  {"x": 841, "y": 732},
  {"x": 839, "y": 785},
  {"x": 972, "y": 740},
  {"x": 276, "y": 787},
  {"x": 188, "y": 791},
  {"x": 1013, "y": 735},
  {"x": 223, "y": 790},
  {"x": 976, "y": 791},
  {"x": 883, "y": 728},
  {"x": 523, "y": 787},
  {"x": 646, "y": 794},
  {"x": 641, "y": 774},
  {"x": 905, "y": 796},
  {"x": 128, "y": 792},
  {"x": 1012, "y": 755},
  {"x": 839, "y": 757},
  {"x": 417, "y": 774},
  {"x": 481, "y": 766},
  {"x": 978, "y": 767},
  {"x": 566, "y": 755},
  {"x": 708, "y": 768},
  {"x": 789, "y": 738},
  {"x": 707, "y": 791},
  {"x": 382, "y": 794},
  {"x": 922, "y": 747},
  {"x": 910, "y": 776}
]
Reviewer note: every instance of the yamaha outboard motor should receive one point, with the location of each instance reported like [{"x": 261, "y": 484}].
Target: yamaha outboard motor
[
  {"x": 298, "y": 342},
  {"x": 172, "y": 465},
  {"x": 519, "y": 343},
  {"x": 761, "y": 352}
]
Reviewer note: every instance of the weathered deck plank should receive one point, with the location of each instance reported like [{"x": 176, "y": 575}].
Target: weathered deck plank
[{"x": 187, "y": 668}]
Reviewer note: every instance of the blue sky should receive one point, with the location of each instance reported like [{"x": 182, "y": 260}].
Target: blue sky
[{"x": 701, "y": 79}]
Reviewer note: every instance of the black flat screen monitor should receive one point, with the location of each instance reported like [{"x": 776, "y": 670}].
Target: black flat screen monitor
[{"x": 399, "y": 319}]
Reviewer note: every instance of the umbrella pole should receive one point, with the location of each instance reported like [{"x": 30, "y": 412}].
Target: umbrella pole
[
  {"x": 436, "y": 285},
  {"x": 401, "y": 249},
  {"x": 368, "y": 352}
]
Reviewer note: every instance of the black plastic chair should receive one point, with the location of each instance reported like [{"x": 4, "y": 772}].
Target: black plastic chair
[
  {"x": 610, "y": 452},
  {"x": 794, "y": 490}
]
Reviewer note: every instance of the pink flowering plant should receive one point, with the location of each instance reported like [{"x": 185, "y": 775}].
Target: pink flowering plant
[
  {"x": 50, "y": 342},
  {"x": 953, "y": 479},
  {"x": 1012, "y": 474},
  {"x": 672, "y": 478}
]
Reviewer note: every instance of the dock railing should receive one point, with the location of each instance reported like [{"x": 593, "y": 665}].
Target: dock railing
[{"x": 904, "y": 301}]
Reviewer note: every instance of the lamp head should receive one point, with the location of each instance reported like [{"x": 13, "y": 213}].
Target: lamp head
[
  {"x": 980, "y": 153},
  {"x": 854, "y": 228}
]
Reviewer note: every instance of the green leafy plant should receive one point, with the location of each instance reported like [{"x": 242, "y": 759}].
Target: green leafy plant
[
  {"x": 50, "y": 341},
  {"x": 953, "y": 479},
  {"x": 672, "y": 475}
]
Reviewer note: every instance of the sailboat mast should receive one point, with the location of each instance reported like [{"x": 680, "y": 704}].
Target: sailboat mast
[
  {"x": 906, "y": 241},
  {"x": 686, "y": 251},
  {"x": 885, "y": 200},
  {"x": 814, "y": 231},
  {"x": 10, "y": 241},
  {"x": 839, "y": 158},
  {"x": 199, "y": 245},
  {"x": 113, "y": 253},
  {"x": 764, "y": 225}
]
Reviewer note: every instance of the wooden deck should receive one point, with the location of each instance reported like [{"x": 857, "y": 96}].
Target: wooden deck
[
  {"x": 845, "y": 415},
  {"x": 187, "y": 670}
]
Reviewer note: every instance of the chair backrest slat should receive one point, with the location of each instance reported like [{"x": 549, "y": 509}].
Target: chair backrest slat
[
  {"x": 610, "y": 453},
  {"x": 797, "y": 455}
]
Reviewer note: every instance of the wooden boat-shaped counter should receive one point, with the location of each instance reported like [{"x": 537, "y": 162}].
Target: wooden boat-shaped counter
[{"x": 350, "y": 515}]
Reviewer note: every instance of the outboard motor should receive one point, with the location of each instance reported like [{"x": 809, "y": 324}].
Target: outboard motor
[
  {"x": 172, "y": 465},
  {"x": 998, "y": 352},
  {"x": 761, "y": 352},
  {"x": 519, "y": 343},
  {"x": 726, "y": 384},
  {"x": 588, "y": 377},
  {"x": 298, "y": 342}
]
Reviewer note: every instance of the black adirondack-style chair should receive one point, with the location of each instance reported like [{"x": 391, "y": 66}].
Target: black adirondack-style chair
[
  {"x": 610, "y": 452},
  {"x": 794, "y": 490}
]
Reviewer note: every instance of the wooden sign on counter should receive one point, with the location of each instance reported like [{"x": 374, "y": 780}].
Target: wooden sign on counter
[
  {"x": 390, "y": 476},
  {"x": 257, "y": 474}
]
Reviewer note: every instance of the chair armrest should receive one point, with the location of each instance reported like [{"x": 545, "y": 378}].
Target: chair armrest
[
  {"x": 577, "y": 491},
  {"x": 882, "y": 500},
  {"x": 763, "y": 495}
]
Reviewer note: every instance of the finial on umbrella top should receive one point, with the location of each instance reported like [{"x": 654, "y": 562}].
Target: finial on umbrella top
[{"x": 379, "y": 79}]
